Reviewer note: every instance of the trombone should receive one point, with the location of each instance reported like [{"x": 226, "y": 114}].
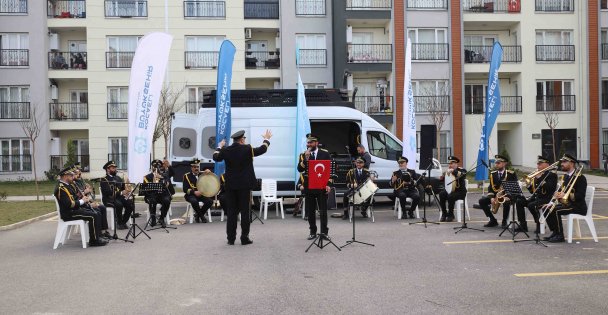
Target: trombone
[
  {"x": 565, "y": 200},
  {"x": 527, "y": 180}
]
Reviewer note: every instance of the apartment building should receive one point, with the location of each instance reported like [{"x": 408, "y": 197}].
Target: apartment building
[{"x": 603, "y": 51}]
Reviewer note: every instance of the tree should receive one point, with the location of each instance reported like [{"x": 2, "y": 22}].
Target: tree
[
  {"x": 552, "y": 120},
  {"x": 167, "y": 105},
  {"x": 436, "y": 102},
  {"x": 32, "y": 127}
]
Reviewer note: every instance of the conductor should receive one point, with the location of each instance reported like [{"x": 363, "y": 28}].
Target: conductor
[{"x": 240, "y": 180}]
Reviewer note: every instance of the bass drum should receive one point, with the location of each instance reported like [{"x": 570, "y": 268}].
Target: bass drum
[{"x": 208, "y": 184}]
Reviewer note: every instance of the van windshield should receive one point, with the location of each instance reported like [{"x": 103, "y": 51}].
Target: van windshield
[{"x": 383, "y": 146}]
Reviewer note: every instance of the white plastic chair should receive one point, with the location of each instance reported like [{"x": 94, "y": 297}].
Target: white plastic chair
[
  {"x": 190, "y": 213},
  {"x": 109, "y": 213},
  {"x": 459, "y": 204},
  {"x": 369, "y": 211},
  {"x": 397, "y": 209},
  {"x": 167, "y": 217},
  {"x": 588, "y": 217},
  {"x": 64, "y": 229},
  {"x": 269, "y": 195}
]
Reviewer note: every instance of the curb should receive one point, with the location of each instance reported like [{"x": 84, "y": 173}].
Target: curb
[{"x": 28, "y": 221}]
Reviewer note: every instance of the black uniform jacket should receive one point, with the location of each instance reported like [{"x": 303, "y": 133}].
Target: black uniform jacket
[
  {"x": 352, "y": 177},
  {"x": 239, "y": 164},
  {"x": 67, "y": 198},
  {"x": 578, "y": 193},
  {"x": 110, "y": 187},
  {"x": 405, "y": 180},
  {"x": 545, "y": 192},
  {"x": 496, "y": 181}
]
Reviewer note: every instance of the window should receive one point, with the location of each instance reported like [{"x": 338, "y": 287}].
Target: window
[
  {"x": 121, "y": 50},
  {"x": 553, "y": 37},
  {"x": 312, "y": 49},
  {"x": 554, "y": 45},
  {"x": 315, "y": 86},
  {"x": 13, "y": 6},
  {"x": 206, "y": 9},
  {"x": 196, "y": 97},
  {"x": 431, "y": 95},
  {"x": 478, "y": 48},
  {"x": 604, "y": 43},
  {"x": 605, "y": 94},
  {"x": 604, "y": 4},
  {"x": 554, "y": 5},
  {"x": 14, "y": 49},
  {"x": 429, "y": 43},
  {"x": 554, "y": 96},
  {"x": 15, "y": 155},
  {"x": 202, "y": 51},
  {"x": 14, "y": 102},
  {"x": 118, "y": 152},
  {"x": 126, "y": 8},
  {"x": 474, "y": 95},
  {"x": 605, "y": 141},
  {"x": 383, "y": 146},
  {"x": 310, "y": 7},
  {"x": 118, "y": 100}
]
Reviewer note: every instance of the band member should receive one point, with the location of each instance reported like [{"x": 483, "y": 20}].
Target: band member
[
  {"x": 403, "y": 183},
  {"x": 314, "y": 197},
  {"x": 459, "y": 189},
  {"x": 367, "y": 158},
  {"x": 541, "y": 187},
  {"x": 71, "y": 208},
  {"x": 84, "y": 189},
  {"x": 496, "y": 178},
  {"x": 240, "y": 180},
  {"x": 354, "y": 178},
  {"x": 154, "y": 198},
  {"x": 192, "y": 195},
  {"x": 576, "y": 199},
  {"x": 167, "y": 172},
  {"x": 114, "y": 192}
]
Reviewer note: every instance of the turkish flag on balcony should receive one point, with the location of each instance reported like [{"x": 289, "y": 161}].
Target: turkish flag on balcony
[
  {"x": 318, "y": 173},
  {"x": 514, "y": 6}
]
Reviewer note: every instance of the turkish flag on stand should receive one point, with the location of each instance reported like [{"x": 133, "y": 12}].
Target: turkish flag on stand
[{"x": 318, "y": 173}]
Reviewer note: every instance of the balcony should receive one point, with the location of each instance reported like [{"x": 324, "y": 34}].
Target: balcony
[
  {"x": 432, "y": 104},
  {"x": 192, "y": 107},
  {"x": 310, "y": 7},
  {"x": 262, "y": 60},
  {"x": 554, "y": 6},
  {"x": 368, "y": 4},
  {"x": 483, "y": 54},
  {"x": 119, "y": 59},
  {"x": 261, "y": 10},
  {"x": 555, "y": 103},
  {"x": 13, "y": 6},
  {"x": 14, "y": 110},
  {"x": 66, "y": 9},
  {"x": 554, "y": 52},
  {"x": 205, "y": 9},
  {"x": 374, "y": 104},
  {"x": 430, "y": 52},
  {"x": 313, "y": 57},
  {"x": 69, "y": 111},
  {"x": 14, "y": 57},
  {"x": 370, "y": 53},
  {"x": 118, "y": 110},
  {"x": 604, "y": 51},
  {"x": 489, "y": 6},
  {"x": 61, "y": 60},
  {"x": 120, "y": 159},
  {"x": 126, "y": 8},
  {"x": 15, "y": 163},
  {"x": 427, "y": 4},
  {"x": 508, "y": 104},
  {"x": 201, "y": 59},
  {"x": 58, "y": 161}
]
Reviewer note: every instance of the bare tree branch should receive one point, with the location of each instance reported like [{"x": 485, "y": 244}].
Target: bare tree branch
[
  {"x": 436, "y": 103},
  {"x": 552, "y": 120},
  {"x": 167, "y": 105},
  {"x": 32, "y": 128}
]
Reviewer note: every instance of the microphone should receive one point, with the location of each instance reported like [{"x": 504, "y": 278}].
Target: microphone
[{"x": 484, "y": 163}]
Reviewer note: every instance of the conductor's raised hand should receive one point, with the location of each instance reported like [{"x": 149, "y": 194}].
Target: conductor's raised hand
[
  {"x": 267, "y": 135},
  {"x": 222, "y": 143}
]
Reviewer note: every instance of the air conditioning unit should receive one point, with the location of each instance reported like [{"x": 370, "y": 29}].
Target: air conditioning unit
[
  {"x": 54, "y": 92},
  {"x": 247, "y": 33},
  {"x": 349, "y": 34},
  {"x": 54, "y": 41}
]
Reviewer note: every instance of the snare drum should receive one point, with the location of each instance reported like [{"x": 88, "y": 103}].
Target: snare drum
[{"x": 364, "y": 192}]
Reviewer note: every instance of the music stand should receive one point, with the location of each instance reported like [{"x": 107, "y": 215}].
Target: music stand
[
  {"x": 134, "y": 225},
  {"x": 252, "y": 213},
  {"x": 352, "y": 205},
  {"x": 157, "y": 189},
  {"x": 513, "y": 190},
  {"x": 424, "y": 220},
  {"x": 464, "y": 216},
  {"x": 320, "y": 237}
]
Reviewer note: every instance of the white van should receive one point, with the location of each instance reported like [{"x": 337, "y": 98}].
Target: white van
[{"x": 334, "y": 121}]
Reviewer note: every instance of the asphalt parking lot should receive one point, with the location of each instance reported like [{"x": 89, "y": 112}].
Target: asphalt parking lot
[{"x": 411, "y": 269}]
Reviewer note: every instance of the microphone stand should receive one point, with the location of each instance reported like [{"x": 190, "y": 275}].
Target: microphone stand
[
  {"x": 134, "y": 225},
  {"x": 537, "y": 239},
  {"x": 115, "y": 235},
  {"x": 464, "y": 215},
  {"x": 424, "y": 220}
]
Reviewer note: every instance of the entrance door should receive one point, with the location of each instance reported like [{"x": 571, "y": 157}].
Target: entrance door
[{"x": 78, "y": 108}]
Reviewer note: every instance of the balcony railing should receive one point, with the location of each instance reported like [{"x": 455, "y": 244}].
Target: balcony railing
[
  {"x": 554, "y": 6},
  {"x": 483, "y": 54},
  {"x": 604, "y": 100},
  {"x": 261, "y": 10},
  {"x": 491, "y": 6},
  {"x": 555, "y": 103},
  {"x": 192, "y": 107},
  {"x": 120, "y": 159},
  {"x": 374, "y": 104},
  {"x": 605, "y": 51},
  {"x": 15, "y": 163},
  {"x": 432, "y": 104},
  {"x": 65, "y": 9},
  {"x": 14, "y": 110},
  {"x": 14, "y": 57},
  {"x": 69, "y": 111},
  {"x": 430, "y": 51},
  {"x": 310, "y": 7},
  {"x": 313, "y": 57},
  {"x": 118, "y": 110},
  {"x": 444, "y": 153},
  {"x": 205, "y": 9},
  {"x": 60, "y": 60},
  {"x": 427, "y": 4},
  {"x": 58, "y": 161},
  {"x": 554, "y": 52},
  {"x": 368, "y": 4},
  {"x": 126, "y": 8},
  {"x": 262, "y": 60},
  {"x": 508, "y": 104},
  {"x": 201, "y": 59},
  {"x": 119, "y": 59},
  {"x": 13, "y": 6},
  {"x": 370, "y": 53}
]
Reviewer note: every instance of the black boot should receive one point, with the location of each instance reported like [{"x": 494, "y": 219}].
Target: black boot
[
  {"x": 444, "y": 215},
  {"x": 450, "y": 216},
  {"x": 153, "y": 220},
  {"x": 345, "y": 215}
]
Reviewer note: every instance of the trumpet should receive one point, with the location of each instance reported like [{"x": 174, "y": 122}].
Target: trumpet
[
  {"x": 128, "y": 187},
  {"x": 564, "y": 200},
  {"x": 500, "y": 198},
  {"x": 527, "y": 180},
  {"x": 157, "y": 177}
]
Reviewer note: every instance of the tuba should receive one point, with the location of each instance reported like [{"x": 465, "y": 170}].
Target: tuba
[{"x": 565, "y": 200}]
